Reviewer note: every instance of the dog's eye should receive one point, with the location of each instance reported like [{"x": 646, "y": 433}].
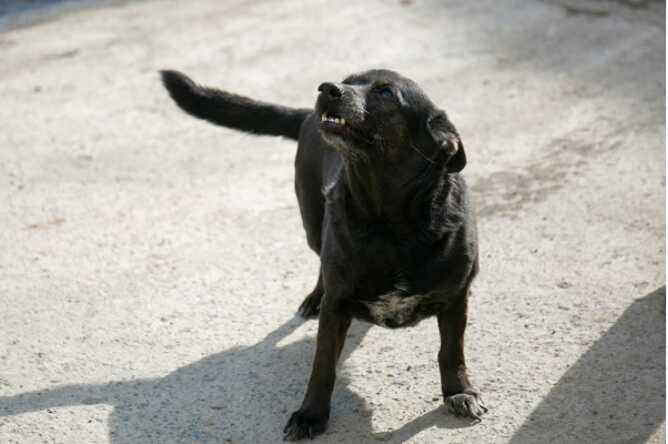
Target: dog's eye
[{"x": 386, "y": 92}]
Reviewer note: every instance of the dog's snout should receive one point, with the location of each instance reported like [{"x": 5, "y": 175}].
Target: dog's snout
[{"x": 330, "y": 90}]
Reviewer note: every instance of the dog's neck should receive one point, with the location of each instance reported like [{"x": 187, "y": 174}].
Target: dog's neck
[{"x": 386, "y": 193}]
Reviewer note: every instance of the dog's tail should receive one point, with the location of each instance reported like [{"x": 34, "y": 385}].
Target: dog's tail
[{"x": 231, "y": 110}]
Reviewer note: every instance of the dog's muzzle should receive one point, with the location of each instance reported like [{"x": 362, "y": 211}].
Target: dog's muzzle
[{"x": 332, "y": 108}]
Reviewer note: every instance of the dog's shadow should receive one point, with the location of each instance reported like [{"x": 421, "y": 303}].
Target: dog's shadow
[{"x": 244, "y": 394}]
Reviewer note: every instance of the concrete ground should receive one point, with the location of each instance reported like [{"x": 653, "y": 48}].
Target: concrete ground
[{"x": 151, "y": 264}]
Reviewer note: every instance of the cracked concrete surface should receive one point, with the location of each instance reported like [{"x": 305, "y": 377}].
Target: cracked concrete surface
[{"x": 151, "y": 264}]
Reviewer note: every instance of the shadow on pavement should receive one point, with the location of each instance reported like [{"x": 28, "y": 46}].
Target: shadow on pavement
[
  {"x": 244, "y": 394},
  {"x": 615, "y": 392}
]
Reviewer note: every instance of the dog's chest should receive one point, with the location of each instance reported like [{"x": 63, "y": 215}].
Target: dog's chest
[
  {"x": 379, "y": 268},
  {"x": 397, "y": 309},
  {"x": 384, "y": 268}
]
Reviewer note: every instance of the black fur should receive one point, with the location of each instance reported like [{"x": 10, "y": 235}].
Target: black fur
[
  {"x": 385, "y": 208},
  {"x": 231, "y": 110}
]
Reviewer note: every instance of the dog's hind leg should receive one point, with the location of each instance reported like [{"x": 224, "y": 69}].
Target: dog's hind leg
[{"x": 310, "y": 307}]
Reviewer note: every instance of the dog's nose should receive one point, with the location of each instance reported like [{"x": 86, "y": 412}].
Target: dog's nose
[{"x": 331, "y": 90}]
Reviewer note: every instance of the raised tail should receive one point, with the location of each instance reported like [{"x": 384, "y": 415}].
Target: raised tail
[{"x": 231, "y": 110}]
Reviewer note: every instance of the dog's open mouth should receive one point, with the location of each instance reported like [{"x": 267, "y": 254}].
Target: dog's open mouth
[
  {"x": 332, "y": 118},
  {"x": 337, "y": 129},
  {"x": 334, "y": 123}
]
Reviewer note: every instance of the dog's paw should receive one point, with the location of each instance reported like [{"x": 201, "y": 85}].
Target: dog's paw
[
  {"x": 300, "y": 425},
  {"x": 310, "y": 307},
  {"x": 466, "y": 404}
]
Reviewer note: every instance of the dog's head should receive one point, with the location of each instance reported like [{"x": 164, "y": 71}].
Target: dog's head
[{"x": 380, "y": 116}]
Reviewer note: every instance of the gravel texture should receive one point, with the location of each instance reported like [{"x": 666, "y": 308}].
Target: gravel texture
[{"x": 151, "y": 264}]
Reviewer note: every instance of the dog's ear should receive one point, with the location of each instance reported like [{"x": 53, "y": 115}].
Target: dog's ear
[{"x": 445, "y": 136}]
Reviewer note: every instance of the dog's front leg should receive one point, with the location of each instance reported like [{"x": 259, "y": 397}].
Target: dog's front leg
[
  {"x": 461, "y": 397},
  {"x": 311, "y": 418}
]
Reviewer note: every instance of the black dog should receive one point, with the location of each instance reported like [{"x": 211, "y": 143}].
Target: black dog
[{"x": 383, "y": 204}]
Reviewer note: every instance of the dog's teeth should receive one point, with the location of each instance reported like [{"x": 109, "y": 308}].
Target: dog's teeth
[{"x": 328, "y": 118}]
